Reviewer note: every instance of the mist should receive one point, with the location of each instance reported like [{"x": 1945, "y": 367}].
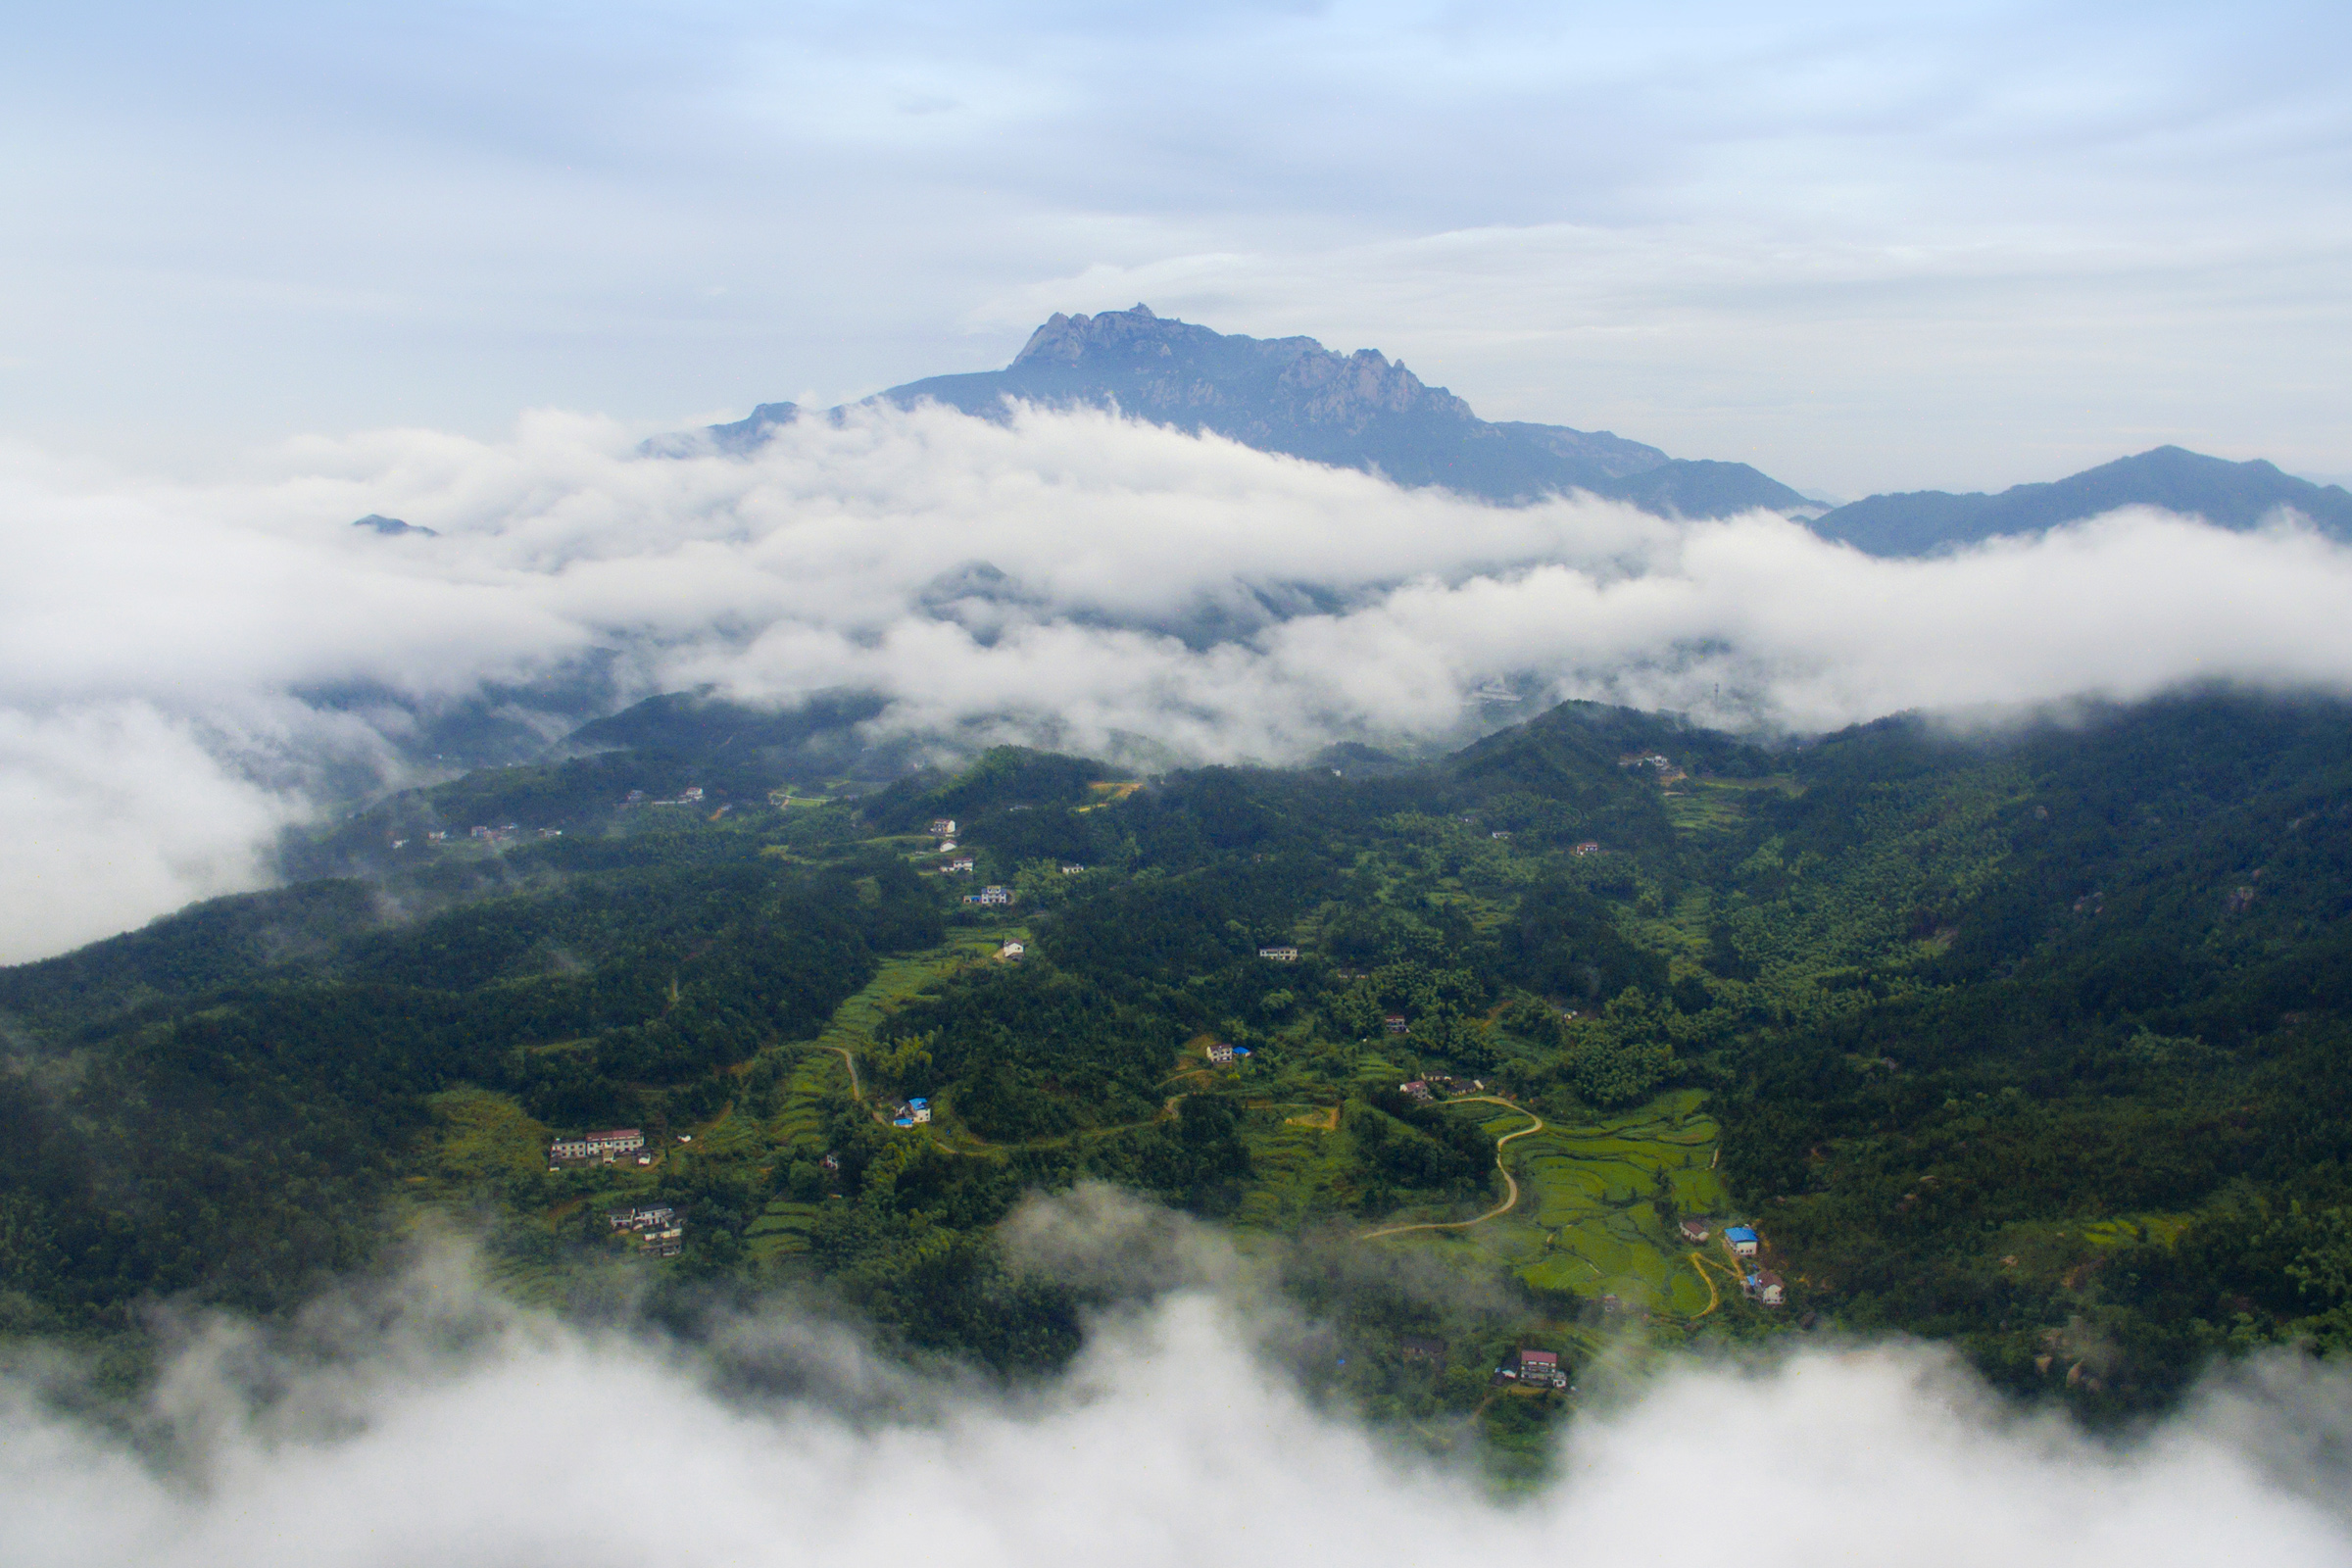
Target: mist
[
  {"x": 174, "y": 646},
  {"x": 426, "y": 1418}
]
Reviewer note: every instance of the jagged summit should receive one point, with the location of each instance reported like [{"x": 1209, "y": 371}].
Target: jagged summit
[
  {"x": 1295, "y": 395},
  {"x": 1168, "y": 366}
]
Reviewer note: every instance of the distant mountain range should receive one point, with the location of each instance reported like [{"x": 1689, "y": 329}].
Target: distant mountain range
[
  {"x": 2229, "y": 495},
  {"x": 1293, "y": 395},
  {"x": 1366, "y": 411}
]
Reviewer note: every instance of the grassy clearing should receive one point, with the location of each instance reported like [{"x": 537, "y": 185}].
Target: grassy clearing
[
  {"x": 796, "y": 1130},
  {"x": 1717, "y": 805},
  {"x": 1588, "y": 1219},
  {"x": 2124, "y": 1229},
  {"x": 479, "y": 1137}
]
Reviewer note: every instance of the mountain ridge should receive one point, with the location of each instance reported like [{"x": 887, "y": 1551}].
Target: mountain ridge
[
  {"x": 2237, "y": 496},
  {"x": 1292, "y": 395}
]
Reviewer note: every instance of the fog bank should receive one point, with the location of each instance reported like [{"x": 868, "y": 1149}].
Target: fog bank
[
  {"x": 179, "y": 658},
  {"x": 439, "y": 1423}
]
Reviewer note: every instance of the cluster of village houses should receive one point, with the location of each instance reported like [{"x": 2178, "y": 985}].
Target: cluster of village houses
[
  {"x": 1756, "y": 1282},
  {"x": 1221, "y": 1054},
  {"x": 691, "y": 795},
  {"x": 484, "y": 835},
  {"x": 1668, "y": 773},
  {"x": 908, "y": 1113},
  {"x": 1531, "y": 1369},
  {"x": 604, "y": 1147},
  {"x": 1429, "y": 1086},
  {"x": 660, "y": 1227}
]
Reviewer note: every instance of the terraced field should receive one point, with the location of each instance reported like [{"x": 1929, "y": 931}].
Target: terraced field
[{"x": 1587, "y": 1220}]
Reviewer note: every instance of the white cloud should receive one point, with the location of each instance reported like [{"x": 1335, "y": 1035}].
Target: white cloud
[
  {"x": 444, "y": 1424},
  {"x": 1158, "y": 593}
]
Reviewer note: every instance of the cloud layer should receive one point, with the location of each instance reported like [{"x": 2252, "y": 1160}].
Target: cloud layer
[
  {"x": 168, "y": 649},
  {"x": 440, "y": 1424}
]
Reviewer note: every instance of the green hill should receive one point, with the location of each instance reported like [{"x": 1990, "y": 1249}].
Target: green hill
[{"x": 2036, "y": 1042}]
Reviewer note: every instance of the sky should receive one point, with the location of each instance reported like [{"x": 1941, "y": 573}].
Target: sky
[
  {"x": 1862, "y": 247},
  {"x": 425, "y": 1419}
]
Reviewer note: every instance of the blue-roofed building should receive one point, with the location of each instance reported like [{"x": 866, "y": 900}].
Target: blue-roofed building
[{"x": 1744, "y": 1238}]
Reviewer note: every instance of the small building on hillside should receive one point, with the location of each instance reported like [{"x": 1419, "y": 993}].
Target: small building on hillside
[
  {"x": 1221, "y": 1054},
  {"x": 1394, "y": 1023},
  {"x": 1768, "y": 1288},
  {"x": 1695, "y": 1230},
  {"x": 659, "y": 1217},
  {"x": 1279, "y": 954},
  {"x": 1011, "y": 952},
  {"x": 1744, "y": 1238},
  {"x": 1416, "y": 1089},
  {"x": 1499, "y": 834},
  {"x": 1074, "y": 868},
  {"x": 945, "y": 845},
  {"x": 691, "y": 795},
  {"x": 1532, "y": 1369},
  {"x": 989, "y": 895},
  {"x": 943, "y": 827},
  {"x": 666, "y": 1241},
  {"x": 604, "y": 1146},
  {"x": 961, "y": 865},
  {"x": 1588, "y": 847}
]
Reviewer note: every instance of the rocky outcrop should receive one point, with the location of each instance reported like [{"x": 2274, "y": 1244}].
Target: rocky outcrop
[{"x": 1295, "y": 395}]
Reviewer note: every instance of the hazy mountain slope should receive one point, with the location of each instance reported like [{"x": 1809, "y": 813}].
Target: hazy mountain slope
[
  {"x": 2229, "y": 495},
  {"x": 1292, "y": 395}
]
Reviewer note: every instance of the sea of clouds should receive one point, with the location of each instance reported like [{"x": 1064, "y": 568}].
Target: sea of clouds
[
  {"x": 425, "y": 1418},
  {"x": 170, "y": 647}
]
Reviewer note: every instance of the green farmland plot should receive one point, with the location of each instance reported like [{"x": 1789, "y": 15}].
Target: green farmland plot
[{"x": 1588, "y": 1219}]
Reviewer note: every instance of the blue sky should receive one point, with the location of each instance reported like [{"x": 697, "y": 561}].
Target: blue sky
[{"x": 1864, "y": 247}]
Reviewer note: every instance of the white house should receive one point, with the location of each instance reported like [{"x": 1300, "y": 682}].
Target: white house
[
  {"x": 1010, "y": 951},
  {"x": 943, "y": 827},
  {"x": 1744, "y": 1238},
  {"x": 598, "y": 1146},
  {"x": 1279, "y": 954},
  {"x": 1220, "y": 1053},
  {"x": 990, "y": 894}
]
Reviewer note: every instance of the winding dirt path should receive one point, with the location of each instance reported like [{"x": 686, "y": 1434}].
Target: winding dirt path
[
  {"x": 1714, "y": 1300},
  {"x": 1510, "y": 1182}
]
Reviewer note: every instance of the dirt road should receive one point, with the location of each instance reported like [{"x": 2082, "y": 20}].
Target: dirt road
[{"x": 1510, "y": 1182}]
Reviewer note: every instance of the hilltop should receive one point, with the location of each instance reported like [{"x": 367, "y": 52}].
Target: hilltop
[
  {"x": 2229, "y": 495},
  {"x": 1293, "y": 395}
]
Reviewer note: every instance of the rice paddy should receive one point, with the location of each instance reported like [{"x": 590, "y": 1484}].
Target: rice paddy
[{"x": 1588, "y": 1220}]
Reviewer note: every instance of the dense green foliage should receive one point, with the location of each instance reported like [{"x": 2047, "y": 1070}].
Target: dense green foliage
[{"x": 2035, "y": 1039}]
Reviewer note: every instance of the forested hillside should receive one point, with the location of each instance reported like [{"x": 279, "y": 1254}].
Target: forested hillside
[{"x": 2035, "y": 1040}]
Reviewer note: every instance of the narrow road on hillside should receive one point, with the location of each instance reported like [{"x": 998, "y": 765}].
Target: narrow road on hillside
[
  {"x": 1509, "y": 1181},
  {"x": 1714, "y": 1300}
]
